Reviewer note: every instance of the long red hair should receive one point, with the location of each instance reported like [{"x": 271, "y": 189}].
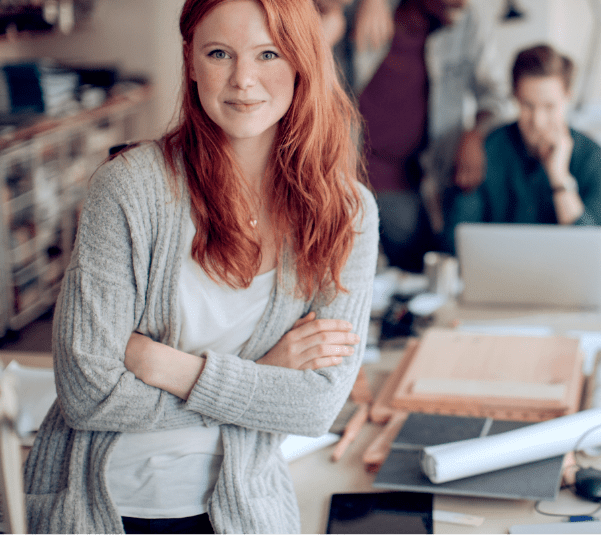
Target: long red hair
[{"x": 315, "y": 165}]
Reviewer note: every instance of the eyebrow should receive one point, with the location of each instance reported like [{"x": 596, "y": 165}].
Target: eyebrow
[{"x": 218, "y": 44}]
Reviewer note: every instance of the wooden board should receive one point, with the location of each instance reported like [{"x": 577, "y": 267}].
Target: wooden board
[
  {"x": 382, "y": 409},
  {"x": 524, "y": 378}
]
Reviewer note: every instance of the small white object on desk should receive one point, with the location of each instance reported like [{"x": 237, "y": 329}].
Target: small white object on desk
[
  {"x": 457, "y": 518},
  {"x": 426, "y": 303},
  {"x": 295, "y": 446}
]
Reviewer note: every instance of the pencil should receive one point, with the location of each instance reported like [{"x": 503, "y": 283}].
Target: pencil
[
  {"x": 351, "y": 431},
  {"x": 377, "y": 452},
  {"x": 361, "y": 392}
]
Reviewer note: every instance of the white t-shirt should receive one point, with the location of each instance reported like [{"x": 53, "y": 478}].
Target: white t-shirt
[{"x": 172, "y": 473}]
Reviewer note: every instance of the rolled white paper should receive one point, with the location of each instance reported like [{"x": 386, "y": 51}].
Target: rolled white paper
[{"x": 465, "y": 458}]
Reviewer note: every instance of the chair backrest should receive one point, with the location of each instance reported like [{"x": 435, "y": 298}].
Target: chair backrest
[{"x": 12, "y": 503}]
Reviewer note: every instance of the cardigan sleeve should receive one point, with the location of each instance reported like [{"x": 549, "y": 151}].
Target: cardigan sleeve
[
  {"x": 275, "y": 399},
  {"x": 101, "y": 302}
]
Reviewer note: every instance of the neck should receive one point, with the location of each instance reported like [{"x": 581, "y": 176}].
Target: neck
[{"x": 252, "y": 155}]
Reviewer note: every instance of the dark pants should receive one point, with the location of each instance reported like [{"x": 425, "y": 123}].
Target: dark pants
[
  {"x": 405, "y": 231},
  {"x": 190, "y": 524}
]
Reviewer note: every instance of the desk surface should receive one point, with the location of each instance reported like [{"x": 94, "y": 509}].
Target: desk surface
[{"x": 316, "y": 478}]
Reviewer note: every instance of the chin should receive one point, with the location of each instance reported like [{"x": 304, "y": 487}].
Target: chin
[
  {"x": 248, "y": 131},
  {"x": 241, "y": 134}
]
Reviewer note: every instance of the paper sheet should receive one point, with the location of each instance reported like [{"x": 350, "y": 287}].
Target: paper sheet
[
  {"x": 465, "y": 458},
  {"x": 35, "y": 394},
  {"x": 295, "y": 446}
]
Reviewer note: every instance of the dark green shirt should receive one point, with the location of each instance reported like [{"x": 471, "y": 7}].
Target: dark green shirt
[{"x": 516, "y": 187}]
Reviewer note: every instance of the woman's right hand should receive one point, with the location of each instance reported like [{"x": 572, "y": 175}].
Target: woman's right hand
[{"x": 312, "y": 344}]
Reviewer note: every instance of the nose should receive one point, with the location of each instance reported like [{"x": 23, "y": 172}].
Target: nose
[
  {"x": 244, "y": 74},
  {"x": 539, "y": 119}
]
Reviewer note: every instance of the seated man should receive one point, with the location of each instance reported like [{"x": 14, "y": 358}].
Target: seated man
[{"x": 538, "y": 169}]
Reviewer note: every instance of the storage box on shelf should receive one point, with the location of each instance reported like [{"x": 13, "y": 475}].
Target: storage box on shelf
[{"x": 44, "y": 173}]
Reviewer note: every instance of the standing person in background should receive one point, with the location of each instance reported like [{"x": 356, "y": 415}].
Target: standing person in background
[
  {"x": 539, "y": 170},
  {"x": 418, "y": 142},
  {"x": 333, "y": 19},
  {"x": 218, "y": 295}
]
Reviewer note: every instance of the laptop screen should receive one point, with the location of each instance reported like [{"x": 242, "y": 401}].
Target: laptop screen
[{"x": 541, "y": 265}]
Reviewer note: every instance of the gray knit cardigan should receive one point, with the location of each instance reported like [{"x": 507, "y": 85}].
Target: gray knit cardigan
[{"x": 122, "y": 277}]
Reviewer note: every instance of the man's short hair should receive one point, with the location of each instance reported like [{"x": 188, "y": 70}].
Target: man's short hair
[{"x": 542, "y": 60}]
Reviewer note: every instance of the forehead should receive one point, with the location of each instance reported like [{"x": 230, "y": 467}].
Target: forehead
[
  {"x": 234, "y": 20},
  {"x": 541, "y": 89}
]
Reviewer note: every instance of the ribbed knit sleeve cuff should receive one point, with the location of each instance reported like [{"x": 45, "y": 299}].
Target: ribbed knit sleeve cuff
[
  {"x": 225, "y": 388},
  {"x": 585, "y": 219}
]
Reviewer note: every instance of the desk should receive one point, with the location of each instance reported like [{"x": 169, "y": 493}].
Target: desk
[{"x": 316, "y": 478}]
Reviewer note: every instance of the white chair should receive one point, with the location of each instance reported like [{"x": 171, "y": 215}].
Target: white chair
[{"x": 12, "y": 503}]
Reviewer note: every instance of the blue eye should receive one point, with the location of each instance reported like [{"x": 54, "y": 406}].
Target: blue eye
[
  {"x": 269, "y": 55},
  {"x": 218, "y": 54}
]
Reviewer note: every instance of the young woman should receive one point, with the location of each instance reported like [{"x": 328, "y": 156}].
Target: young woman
[{"x": 218, "y": 294}]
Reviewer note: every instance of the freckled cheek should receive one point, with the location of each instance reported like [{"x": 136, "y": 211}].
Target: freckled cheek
[
  {"x": 210, "y": 84},
  {"x": 282, "y": 83}
]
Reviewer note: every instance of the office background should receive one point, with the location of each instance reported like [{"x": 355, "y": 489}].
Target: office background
[{"x": 141, "y": 36}]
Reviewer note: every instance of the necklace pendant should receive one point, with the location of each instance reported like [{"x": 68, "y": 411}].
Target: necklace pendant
[{"x": 253, "y": 223}]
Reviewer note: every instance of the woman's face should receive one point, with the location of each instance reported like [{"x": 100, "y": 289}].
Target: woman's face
[{"x": 245, "y": 85}]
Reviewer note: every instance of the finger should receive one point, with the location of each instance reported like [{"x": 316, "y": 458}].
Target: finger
[
  {"x": 312, "y": 339},
  {"x": 327, "y": 350},
  {"x": 336, "y": 338},
  {"x": 306, "y": 319},
  {"x": 323, "y": 326},
  {"x": 321, "y": 362}
]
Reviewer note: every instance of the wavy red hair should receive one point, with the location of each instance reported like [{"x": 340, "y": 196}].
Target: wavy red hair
[{"x": 315, "y": 165}]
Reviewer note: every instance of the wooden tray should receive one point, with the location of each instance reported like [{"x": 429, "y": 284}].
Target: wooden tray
[{"x": 524, "y": 378}]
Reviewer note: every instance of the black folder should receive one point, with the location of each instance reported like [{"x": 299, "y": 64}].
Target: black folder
[{"x": 538, "y": 480}]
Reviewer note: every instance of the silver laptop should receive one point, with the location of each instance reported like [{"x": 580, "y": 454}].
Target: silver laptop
[{"x": 541, "y": 265}]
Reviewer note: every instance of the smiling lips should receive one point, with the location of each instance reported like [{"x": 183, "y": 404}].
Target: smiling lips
[{"x": 244, "y": 106}]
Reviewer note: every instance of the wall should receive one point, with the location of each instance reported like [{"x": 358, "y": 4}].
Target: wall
[
  {"x": 574, "y": 28},
  {"x": 565, "y": 24},
  {"x": 168, "y": 58}
]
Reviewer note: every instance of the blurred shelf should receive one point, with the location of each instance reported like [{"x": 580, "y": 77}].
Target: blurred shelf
[{"x": 44, "y": 170}]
